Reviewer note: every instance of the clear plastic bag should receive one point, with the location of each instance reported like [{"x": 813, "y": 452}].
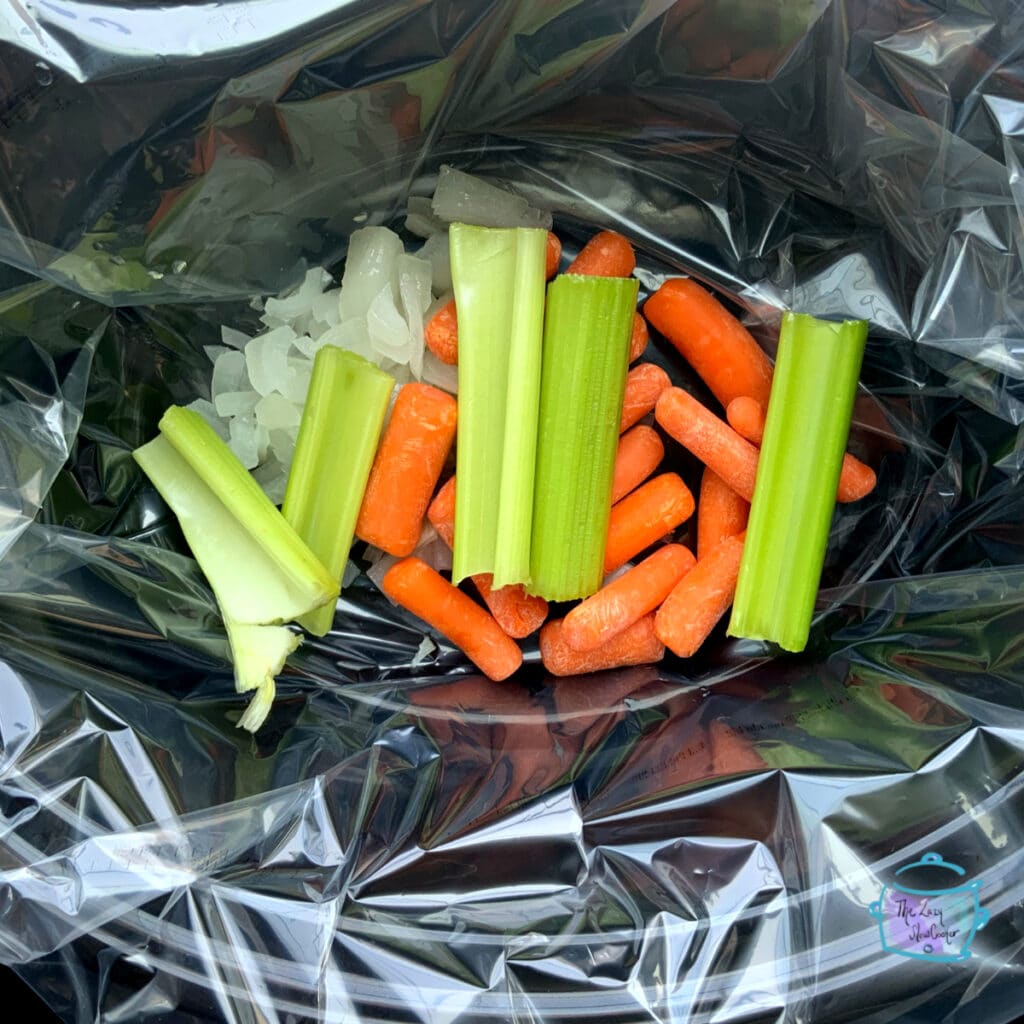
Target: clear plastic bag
[{"x": 710, "y": 840}]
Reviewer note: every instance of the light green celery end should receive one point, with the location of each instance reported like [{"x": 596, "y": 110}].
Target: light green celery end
[
  {"x": 586, "y": 355},
  {"x": 808, "y": 422},
  {"x": 338, "y": 436},
  {"x": 250, "y": 586},
  {"x": 233, "y": 486}
]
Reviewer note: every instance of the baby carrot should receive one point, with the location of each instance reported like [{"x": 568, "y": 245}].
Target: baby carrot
[
  {"x": 856, "y": 480},
  {"x": 429, "y": 596},
  {"x": 721, "y": 512},
  {"x": 639, "y": 453},
  {"x": 441, "y": 334},
  {"x": 636, "y": 645},
  {"x": 711, "y": 340},
  {"x": 607, "y": 254},
  {"x": 409, "y": 461},
  {"x": 639, "y": 338},
  {"x": 553, "y": 256},
  {"x": 700, "y": 599},
  {"x": 746, "y": 417},
  {"x": 712, "y": 440},
  {"x": 518, "y": 613},
  {"x": 629, "y": 597},
  {"x": 645, "y": 516},
  {"x": 644, "y": 385}
]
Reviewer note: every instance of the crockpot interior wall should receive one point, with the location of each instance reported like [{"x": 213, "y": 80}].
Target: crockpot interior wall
[{"x": 696, "y": 841}]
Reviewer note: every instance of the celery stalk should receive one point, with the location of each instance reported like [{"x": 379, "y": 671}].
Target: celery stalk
[
  {"x": 261, "y": 573},
  {"x": 586, "y": 356},
  {"x": 498, "y": 277},
  {"x": 302, "y": 576},
  {"x": 338, "y": 436},
  {"x": 808, "y": 421},
  {"x": 251, "y": 587}
]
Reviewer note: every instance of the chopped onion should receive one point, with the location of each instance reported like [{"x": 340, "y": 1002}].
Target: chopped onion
[
  {"x": 420, "y": 219},
  {"x": 461, "y": 197},
  {"x": 436, "y": 250},
  {"x": 369, "y": 268}
]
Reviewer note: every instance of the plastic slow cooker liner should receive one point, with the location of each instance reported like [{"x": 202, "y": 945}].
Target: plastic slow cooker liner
[{"x": 699, "y": 841}]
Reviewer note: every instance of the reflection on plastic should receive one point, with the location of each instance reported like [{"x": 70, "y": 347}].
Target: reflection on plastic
[{"x": 701, "y": 841}]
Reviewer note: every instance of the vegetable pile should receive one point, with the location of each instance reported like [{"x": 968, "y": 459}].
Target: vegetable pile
[{"x": 559, "y": 485}]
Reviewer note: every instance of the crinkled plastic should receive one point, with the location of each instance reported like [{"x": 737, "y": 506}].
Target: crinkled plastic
[{"x": 712, "y": 841}]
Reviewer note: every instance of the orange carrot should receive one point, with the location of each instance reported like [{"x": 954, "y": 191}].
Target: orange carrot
[
  {"x": 553, "y": 255},
  {"x": 640, "y": 451},
  {"x": 700, "y": 599},
  {"x": 746, "y": 417},
  {"x": 629, "y": 597},
  {"x": 645, "y": 516},
  {"x": 518, "y": 613},
  {"x": 405, "y": 472},
  {"x": 640, "y": 337},
  {"x": 856, "y": 480},
  {"x": 644, "y": 385},
  {"x": 711, "y": 340},
  {"x": 636, "y": 645},
  {"x": 721, "y": 512},
  {"x": 712, "y": 440},
  {"x": 441, "y": 334},
  {"x": 607, "y": 254},
  {"x": 428, "y": 595}
]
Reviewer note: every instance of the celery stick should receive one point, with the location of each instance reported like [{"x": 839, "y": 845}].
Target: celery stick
[
  {"x": 341, "y": 425},
  {"x": 498, "y": 277},
  {"x": 240, "y": 498},
  {"x": 808, "y": 421},
  {"x": 586, "y": 356},
  {"x": 250, "y": 586},
  {"x": 254, "y": 590}
]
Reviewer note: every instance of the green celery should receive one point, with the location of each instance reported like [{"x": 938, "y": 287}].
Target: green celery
[
  {"x": 252, "y": 585},
  {"x": 586, "y": 356},
  {"x": 338, "y": 436},
  {"x": 261, "y": 573},
  {"x": 498, "y": 278},
  {"x": 805, "y": 434}
]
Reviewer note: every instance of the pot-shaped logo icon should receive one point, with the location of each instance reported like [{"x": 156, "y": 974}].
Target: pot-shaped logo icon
[{"x": 933, "y": 923}]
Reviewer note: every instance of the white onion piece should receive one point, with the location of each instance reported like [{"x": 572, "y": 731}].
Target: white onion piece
[
  {"x": 439, "y": 374},
  {"x": 420, "y": 219},
  {"x": 369, "y": 267},
  {"x": 379, "y": 568},
  {"x": 232, "y": 338},
  {"x": 267, "y": 358},
  {"x": 236, "y": 403},
  {"x": 229, "y": 373},
  {"x": 275, "y": 412},
  {"x": 296, "y": 383},
  {"x": 426, "y": 648},
  {"x": 244, "y": 441},
  {"x": 389, "y": 333},
  {"x": 214, "y": 352},
  {"x": 436, "y": 250},
  {"x": 462, "y": 197},
  {"x": 414, "y": 277}
]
